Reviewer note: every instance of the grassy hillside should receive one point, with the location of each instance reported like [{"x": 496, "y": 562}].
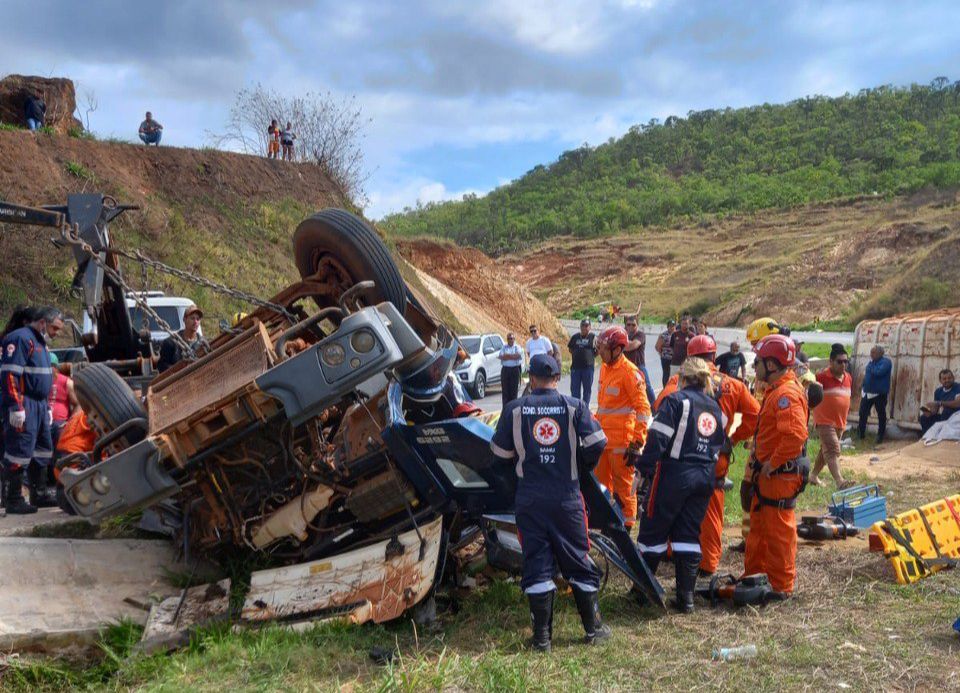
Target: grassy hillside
[
  {"x": 886, "y": 140},
  {"x": 834, "y": 262},
  {"x": 225, "y": 216}
]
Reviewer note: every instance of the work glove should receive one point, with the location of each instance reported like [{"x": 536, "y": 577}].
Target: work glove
[
  {"x": 727, "y": 447},
  {"x": 746, "y": 495},
  {"x": 18, "y": 418}
]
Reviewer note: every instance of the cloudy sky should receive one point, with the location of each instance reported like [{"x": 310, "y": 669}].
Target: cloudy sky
[{"x": 464, "y": 96}]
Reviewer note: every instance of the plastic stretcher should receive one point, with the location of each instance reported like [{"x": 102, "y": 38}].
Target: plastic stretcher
[{"x": 921, "y": 541}]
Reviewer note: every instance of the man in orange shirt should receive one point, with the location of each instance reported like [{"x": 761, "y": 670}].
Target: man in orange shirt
[
  {"x": 624, "y": 414},
  {"x": 779, "y": 466},
  {"x": 734, "y": 398},
  {"x": 830, "y": 416}
]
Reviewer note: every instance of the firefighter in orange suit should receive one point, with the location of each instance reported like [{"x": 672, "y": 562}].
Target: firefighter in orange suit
[
  {"x": 734, "y": 398},
  {"x": 780, "y": 466},
  {"x": 624, "y": 414}
]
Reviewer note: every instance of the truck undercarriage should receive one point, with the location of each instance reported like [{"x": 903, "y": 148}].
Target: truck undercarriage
[{"x": 324, "y": 433}]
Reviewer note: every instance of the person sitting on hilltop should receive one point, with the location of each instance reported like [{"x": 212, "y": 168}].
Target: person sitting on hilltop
[
  {"x": 150, "y": 130},
  {"x": 34, "y": 110}
]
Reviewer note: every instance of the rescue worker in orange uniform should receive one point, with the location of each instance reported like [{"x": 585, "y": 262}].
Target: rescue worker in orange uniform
[
  {"x": 780, "y": 466},
  {"x": 77, "y": 436},
  {"x": 734, "y": 397},
  {"x": 624, "y": 414}
]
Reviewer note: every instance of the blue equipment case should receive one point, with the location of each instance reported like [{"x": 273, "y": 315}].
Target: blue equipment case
[{"x": 860, "y": 505}]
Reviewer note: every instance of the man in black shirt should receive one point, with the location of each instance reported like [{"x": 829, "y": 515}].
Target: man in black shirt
[
  {"x": 584, "y": 352},
  {"x": 678, "y": 343},
  {"x": 171, "y": 353},
  {"x": 733, "y": 363}
]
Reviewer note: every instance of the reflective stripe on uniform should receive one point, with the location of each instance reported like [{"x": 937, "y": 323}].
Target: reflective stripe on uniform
[
  {"x": 662, "y": 428},
  {"x": 594, "y": 438},
  {"x": 541, "y": 587},
  {"x": 612, "y": 390},
  {"x": 659, "y": 548},
  {"x": 643, "y": 418},
  {"x": 683, "y": 547},
  {"x": 518, "y": 440},
  {"x": 501, "y": 452},
  {"x": 572, "y": 436},
  {"x": 619, "y": 410},
  {"x": 616, "y": 451},
  {"x": 16, "y": 460},
  {"x": 42, "y": 454},
  {"x": 681, "y": 431},
  {"x": 584, "y": 587},
  {"x": 20, "y": 370}
]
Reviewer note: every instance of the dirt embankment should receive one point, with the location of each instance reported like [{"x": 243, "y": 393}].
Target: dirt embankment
[
  {"x": 483, "y": 296},
  {"x": 826, "y": 261},
  {"x": 220, "y": 215}
]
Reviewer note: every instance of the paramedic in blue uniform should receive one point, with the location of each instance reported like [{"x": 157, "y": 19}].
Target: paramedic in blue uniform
[
  {"x": 679, "y": 458},
  {"x": 26, "y": 382},
  {"x": 552, "y": 439}
]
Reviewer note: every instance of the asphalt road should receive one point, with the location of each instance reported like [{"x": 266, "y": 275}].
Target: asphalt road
[{"x": 493, "y": 399}]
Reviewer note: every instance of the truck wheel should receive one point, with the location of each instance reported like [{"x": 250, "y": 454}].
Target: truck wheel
[
  {"x": 107, "y": 400},
  {"x": 344, "y": 250},
  {"x": 480, "y": 386}
]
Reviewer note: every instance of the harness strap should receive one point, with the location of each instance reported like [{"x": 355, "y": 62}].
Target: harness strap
[{"x": 782, "y": 503}]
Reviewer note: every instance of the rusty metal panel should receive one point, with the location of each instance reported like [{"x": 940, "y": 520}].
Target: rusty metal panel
[
  {"x": 211, "y": 379},
  {"x": 377, "y": 582},
  {"x": 920, "y": 346},
  {"x": 863, "y": 340}
]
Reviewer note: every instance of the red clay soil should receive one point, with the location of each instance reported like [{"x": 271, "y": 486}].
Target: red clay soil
[
  {"x": 33, "y": 170},
  {"x": 474, "y": 275}
]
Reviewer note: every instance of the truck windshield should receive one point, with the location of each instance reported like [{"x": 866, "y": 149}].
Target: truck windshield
[
  {"x": 169, "y": 314},
  {"x": 471, "y": 345}
]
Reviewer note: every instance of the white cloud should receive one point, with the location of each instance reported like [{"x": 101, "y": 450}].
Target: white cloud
[
  {"x": 394, "y": 195},
  {"x": 563, "y": 27}
]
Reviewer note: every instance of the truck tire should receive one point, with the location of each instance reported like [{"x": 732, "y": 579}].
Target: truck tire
[
  {"x": 344, "y": 250},
  {"x": 107, "y": 400}
]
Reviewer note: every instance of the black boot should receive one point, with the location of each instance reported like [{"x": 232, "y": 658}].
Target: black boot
[
  {"x": 37, "y": 482},
  {"x": 593, "y": 627},
  {"x": 686, "y": 581},
  {"x": 541, "y": 616},
  {"x": 15, "y": 503},
  {"x": 652, "y": 561}
]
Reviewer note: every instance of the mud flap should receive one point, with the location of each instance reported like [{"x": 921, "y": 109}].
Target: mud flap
[{"x": 621, "y": 550}]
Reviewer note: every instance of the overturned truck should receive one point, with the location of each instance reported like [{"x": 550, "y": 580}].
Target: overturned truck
[{"x": 330, "y": 437}]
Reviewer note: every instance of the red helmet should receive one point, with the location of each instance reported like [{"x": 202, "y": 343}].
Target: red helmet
[
  {"x": 465, "y": 409},
  {"x": 777, "y": 347},
  {"x": 615, "y": 336},
  {"x": 701, "y": 345}
]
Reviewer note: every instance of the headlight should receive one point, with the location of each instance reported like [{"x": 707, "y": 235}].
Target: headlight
[
  {"x": 466, "y": 364},
  {"x": 333, "y": 355},
  {"x": 362, "y": 342}
]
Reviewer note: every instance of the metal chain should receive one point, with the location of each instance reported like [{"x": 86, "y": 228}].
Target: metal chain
[
  {"x": 72, "y": 236},
  {"x": 145, "y": 261}
]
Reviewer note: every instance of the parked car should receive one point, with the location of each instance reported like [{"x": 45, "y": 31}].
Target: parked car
[
  {"x": 481, "y": 367},
  {"x": 333, "y": 443}
]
